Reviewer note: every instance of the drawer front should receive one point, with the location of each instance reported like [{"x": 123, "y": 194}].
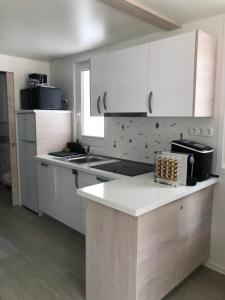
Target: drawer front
[{"x": 86, "y": 179}]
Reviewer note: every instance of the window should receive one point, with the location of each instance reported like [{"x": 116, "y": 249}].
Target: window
[{"x": 89, "y": 126}]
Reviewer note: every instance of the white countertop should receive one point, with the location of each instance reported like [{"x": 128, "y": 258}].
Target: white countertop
[
  {"x": 140, "y": 194},
  {"x": 132, "y": 195},
  {"x": 86, "y": 167}
]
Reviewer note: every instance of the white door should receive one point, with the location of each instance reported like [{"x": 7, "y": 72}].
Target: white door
[
  {"x": 124, "y": 76},
  {"x": 67, "y": 200},
  {"x": 46, "y": 188},
  {"x": 97, "y": 108},
  {"x": 171, "y": 76},
  {"x": 29, "y": 198}
]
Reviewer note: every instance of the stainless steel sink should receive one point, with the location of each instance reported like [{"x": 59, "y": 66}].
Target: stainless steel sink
[{"x": 85, "y": 160}]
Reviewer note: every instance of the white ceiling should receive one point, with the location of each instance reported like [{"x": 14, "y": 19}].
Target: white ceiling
[
  {"x": 186, "y": 11},
  {"x": 50, "y": 29}
]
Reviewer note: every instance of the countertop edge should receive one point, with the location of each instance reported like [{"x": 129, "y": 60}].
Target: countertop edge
[
  {"x": 117, "y": 178},
  {"x": 151, "y": 207}
]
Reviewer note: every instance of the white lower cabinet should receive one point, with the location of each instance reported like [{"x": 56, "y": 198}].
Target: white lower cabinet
[
  {"x": 86, "y": 179},
  {"x": 67, "y": 201},
  {"x": 46, "y": 188},
  {"x": 57, "y": 192}
]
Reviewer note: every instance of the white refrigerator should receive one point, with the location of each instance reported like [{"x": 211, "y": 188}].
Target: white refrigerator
[{"x": 27, "y": 152}]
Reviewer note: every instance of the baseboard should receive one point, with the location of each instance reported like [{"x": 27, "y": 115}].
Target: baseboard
[{"x": 215, "y": 267}]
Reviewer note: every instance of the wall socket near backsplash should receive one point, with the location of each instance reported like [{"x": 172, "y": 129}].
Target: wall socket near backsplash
[
  {"x": 201, "y": 131},
  {"x": 139, "y": 138}
]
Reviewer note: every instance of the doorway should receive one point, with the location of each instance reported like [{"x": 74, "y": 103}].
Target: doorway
[{"x": 9, "y": 193}]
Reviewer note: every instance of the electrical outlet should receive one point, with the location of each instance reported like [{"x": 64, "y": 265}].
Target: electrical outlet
[
  {"x": 197, "y": 131},
  {"x": 207, "y": 132}
]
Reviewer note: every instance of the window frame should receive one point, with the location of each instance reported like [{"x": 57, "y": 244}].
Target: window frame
[{"x": 97, "y": 142}]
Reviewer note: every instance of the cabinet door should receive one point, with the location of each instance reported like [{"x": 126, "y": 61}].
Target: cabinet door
[
  {"x": 96, "y": 86},
  {"x": 87, "y": 179},
  {"x": 172, "y": 75},
  {"x": 28, "y": 175},
  {"x": 124, "y": 75},
  {"x": 46, "y": 188},
  {"x": 193, "y": 232},
  {"x": 27, "y": 127},
  {"x": 67, "y": 201}
]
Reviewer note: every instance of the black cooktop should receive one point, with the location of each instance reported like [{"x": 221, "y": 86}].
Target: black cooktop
[{"x": 126, "y": 167}]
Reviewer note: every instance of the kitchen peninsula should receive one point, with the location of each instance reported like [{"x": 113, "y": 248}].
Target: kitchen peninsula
[{"x": 144, "y": 238}]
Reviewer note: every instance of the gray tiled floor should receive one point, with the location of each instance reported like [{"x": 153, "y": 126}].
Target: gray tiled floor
[
  {"x": 39, "y": 259},
  {"x": 204, "y": 284},
  {"x": 43, "y": 260}
]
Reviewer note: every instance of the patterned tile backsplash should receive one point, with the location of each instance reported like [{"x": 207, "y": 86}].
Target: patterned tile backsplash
[{"x": 139, "y": 138}]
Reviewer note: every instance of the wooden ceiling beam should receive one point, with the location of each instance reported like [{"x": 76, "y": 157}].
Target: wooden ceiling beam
[{"x": 143, "y": 12}]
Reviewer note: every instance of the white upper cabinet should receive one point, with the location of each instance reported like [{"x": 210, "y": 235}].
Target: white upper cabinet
[
  {"x": 119, "y": 81},
  {"x": 96, "y": 86},
  {"x": 182, "y": 75},
  {"x": 171, "y": 75},
  {"x": 125, "y": 80}
]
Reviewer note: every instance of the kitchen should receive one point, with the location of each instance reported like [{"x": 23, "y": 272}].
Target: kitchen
[{"x": 82, "y": 194}]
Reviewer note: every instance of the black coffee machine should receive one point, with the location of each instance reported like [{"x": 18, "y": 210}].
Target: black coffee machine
[{"x": 203, "y": 155}]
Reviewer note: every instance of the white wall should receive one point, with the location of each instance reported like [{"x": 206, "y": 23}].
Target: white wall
[
  {"x": 62, "y": 75},
  {"x": 217, "y": 257},
  {"x": 21, "y": 67}
]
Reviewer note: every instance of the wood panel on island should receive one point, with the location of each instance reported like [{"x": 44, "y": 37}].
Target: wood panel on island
[{"x": 145, "y": 257}]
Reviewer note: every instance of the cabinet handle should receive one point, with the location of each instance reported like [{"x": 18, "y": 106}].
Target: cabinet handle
[
  {"x": 102, "y": 179},
  {"x": 104, "y": 100},
  {"x": 44, "y": 165},
  {"x": 74, "y": 172},
  {"x": 98, "y": 105},
  {"x": 150, "y": 102},
  {"x": 181, "y": 208}
]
